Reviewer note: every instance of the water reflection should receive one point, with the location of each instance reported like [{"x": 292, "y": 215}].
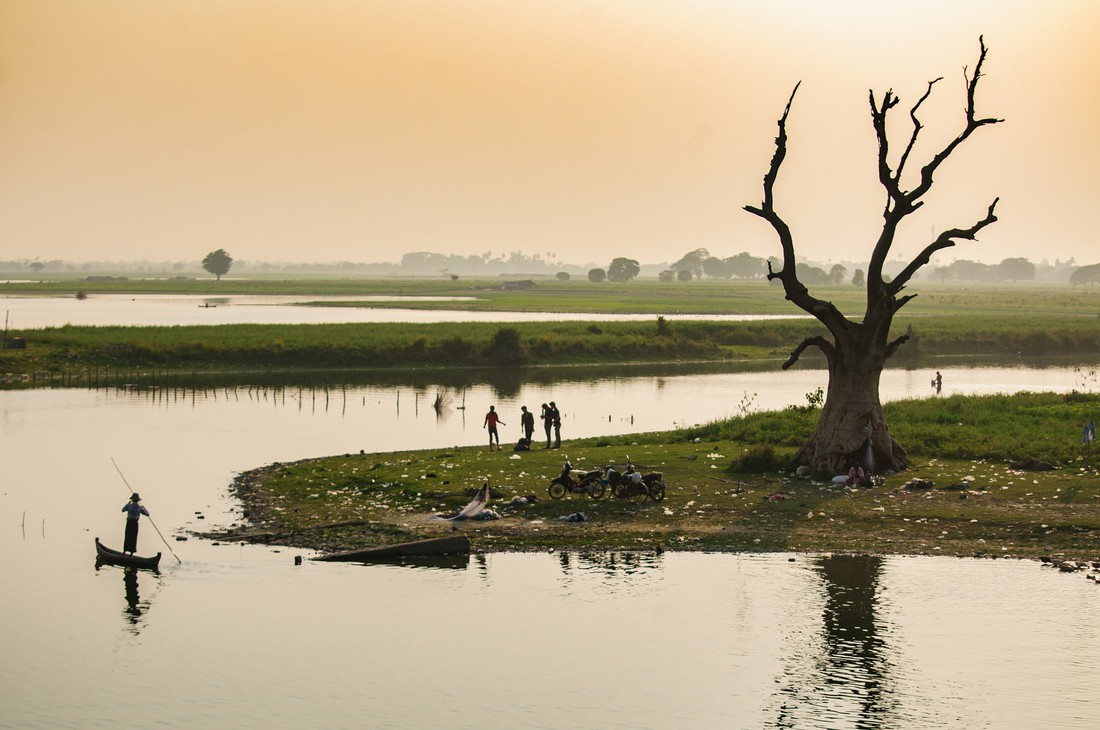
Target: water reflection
[
  {"x": 135, "y": 610},
  {"x": 598, "y": 575},
  {"x": 615, "y": 564},
  {"x": 848, "y": 682},
  {"x": 437, "y": 562}
]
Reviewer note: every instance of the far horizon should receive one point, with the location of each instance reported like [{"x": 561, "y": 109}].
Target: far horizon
[{"x": 1007, "y": 270}]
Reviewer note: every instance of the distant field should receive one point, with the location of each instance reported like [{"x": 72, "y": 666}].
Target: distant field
[
  {"x": 639, "y": 296},
  {"x": 978, "y": 321}
]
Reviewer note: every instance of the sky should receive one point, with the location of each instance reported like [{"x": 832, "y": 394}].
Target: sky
[{"x": 577, "y": 130}]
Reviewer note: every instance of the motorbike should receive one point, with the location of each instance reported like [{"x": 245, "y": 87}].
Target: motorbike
[
  {"x": 586, "y": 482},
  {"x": 635, "y": 486}
]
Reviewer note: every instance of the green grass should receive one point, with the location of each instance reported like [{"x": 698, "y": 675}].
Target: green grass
[
  {"x": 943, "y": 321},
  {"x": 290, "y": 348},
  {"x": 721, "y": 496},
  {"x": 639, "y": 296}
]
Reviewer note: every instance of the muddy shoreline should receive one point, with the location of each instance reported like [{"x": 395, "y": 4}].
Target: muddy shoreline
[{"x": 271, "y": 516}]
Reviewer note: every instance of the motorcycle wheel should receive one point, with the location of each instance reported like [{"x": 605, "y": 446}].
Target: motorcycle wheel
[
  {"x": 657, "y": 491},
  {"x": 557, "y": 490},
  {"x": 596, "y": 491},
  {"x": 638, "y": 494}
]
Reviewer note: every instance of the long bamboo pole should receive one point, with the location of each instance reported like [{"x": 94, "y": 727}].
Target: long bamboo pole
[{"x": 154, "y": 524}]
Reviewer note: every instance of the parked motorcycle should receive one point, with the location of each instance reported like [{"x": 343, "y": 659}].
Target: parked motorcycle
[
  {"x": 635, "y": 486},
  {"x": 577, "y": 482}
]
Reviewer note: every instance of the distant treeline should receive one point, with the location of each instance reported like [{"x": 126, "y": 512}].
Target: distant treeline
[{"x": 697, "y": 264}]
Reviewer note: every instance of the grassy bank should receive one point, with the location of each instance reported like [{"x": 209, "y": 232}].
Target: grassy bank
[
  {"x": 942, "y": 321},
  {"x": 727, "y": 489},
  {"x": 80, "y": 354}
]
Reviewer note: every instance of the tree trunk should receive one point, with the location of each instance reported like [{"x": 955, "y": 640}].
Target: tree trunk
[
  {"x": 859, "y": 349},
  {"x": 852, "y": 414}
]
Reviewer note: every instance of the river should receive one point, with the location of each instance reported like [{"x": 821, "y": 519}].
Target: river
[
  {"x": 35, "y": 312},
  {"x": 229, "y": 635}
]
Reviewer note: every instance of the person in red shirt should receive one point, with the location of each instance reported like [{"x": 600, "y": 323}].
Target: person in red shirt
[{"x": 491, "y": 421}]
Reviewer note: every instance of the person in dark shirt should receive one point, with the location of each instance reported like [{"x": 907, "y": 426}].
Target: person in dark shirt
[
  {"x": 555, "y": 419},
  {"x": 134, "y": 510}
]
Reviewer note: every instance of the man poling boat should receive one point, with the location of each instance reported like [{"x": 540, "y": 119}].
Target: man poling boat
[{"x": 134, "y": 509}]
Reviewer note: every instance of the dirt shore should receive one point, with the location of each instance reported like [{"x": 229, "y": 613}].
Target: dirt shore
[{"x": 966, "y": 509}]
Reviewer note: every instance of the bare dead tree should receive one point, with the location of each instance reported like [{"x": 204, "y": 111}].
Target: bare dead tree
[{"x": 858, "y": 350}]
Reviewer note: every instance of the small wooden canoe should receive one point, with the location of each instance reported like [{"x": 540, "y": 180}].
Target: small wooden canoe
[
  {"x": 434, "y": 547},
  {"x": 114, "y": 557}
]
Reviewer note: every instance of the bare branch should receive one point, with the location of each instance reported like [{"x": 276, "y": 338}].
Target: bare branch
[
  {"x": 885, "y": 174},
  {"x": 973, "y": 123},
  {"x": 901, "y": 203},
  {"x": 794, "y": 290},
  {"x": 944, "y": 240},
  {"x": 902, "y": 301},
  {"x": 817, "y": 341},
  {"x": 917, "y": 127},
  {"x": 893, "y": 346}
]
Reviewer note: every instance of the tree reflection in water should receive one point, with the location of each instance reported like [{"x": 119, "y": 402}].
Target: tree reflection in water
[{"x": 843, "y": 679}]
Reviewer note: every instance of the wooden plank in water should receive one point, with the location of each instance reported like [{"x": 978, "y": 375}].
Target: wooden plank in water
[{"x": 450, "y": 545}]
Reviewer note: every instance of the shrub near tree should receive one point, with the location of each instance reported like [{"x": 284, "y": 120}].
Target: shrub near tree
[{"x": 597, "y": 275}]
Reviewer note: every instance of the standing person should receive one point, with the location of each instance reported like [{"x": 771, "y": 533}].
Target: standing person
[
  {"x": 134, "y": 510},
  {"x": 547, "y": 422},
  {"x": 527, "y": 421},
  {"x": 491, "y": 421},
  {"x": 938, "y": 382},
  {"x": 555, "y": 419}
]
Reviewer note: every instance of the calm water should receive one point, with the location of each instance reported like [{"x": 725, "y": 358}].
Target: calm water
[
  {"x": 147, "y": 309},
  {"x": 238, "y": 636}
]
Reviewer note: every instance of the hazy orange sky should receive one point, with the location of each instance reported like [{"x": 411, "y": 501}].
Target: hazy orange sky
[{"x": 358, "y": 130}]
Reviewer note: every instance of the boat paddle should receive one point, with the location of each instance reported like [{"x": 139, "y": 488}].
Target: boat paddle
[{"x": 154, "y": 524}]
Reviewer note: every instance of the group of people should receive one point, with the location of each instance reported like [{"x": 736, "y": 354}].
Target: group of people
[{"x": 551, "y": 423}]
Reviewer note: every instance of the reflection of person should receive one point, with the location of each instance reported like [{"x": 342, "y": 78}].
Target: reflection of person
[
  {"x": 134, "y": 510},
  {"x": 547, "y": 422},
  {"x": 491, "y": 421},
  {"x": 133, "y": 601},
  {"x": 555, "y": 418},
  {"x": 527, "y": 421}
]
